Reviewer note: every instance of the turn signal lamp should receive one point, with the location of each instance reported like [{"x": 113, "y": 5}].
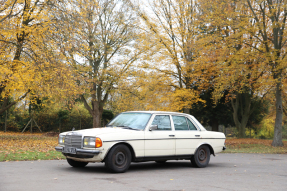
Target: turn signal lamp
[{"x": 98, "y": 142}]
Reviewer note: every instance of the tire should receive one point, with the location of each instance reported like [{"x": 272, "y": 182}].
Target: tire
[
  {"x": 118, "y": 159},
  {"x": 201, "y": 157},
  {"x": 77, "y": 164},
  {"x": 160, "y": 161}
]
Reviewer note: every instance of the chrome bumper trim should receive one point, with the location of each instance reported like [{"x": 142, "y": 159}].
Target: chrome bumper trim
[
  {"x": 60, "y": 149},
  {"x": 80, "y": 151},
  {"x": 87, "y": 152}
]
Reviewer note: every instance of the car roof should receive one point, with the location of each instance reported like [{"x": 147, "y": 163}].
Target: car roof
[{"x": 158, "y": 112}]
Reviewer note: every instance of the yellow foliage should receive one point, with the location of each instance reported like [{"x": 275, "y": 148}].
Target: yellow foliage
[
  {"x": 29, "y": 60},
  {"x": 151, "y": 91},
  {"x": 148, "y": 91},
  {"x": 266, "y": 129},
  {"x": 184, "y": 98},
  {"x": 250, "y": 133}
]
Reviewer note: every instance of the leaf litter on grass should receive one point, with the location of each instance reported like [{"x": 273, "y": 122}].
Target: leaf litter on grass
[
  {"x": 26, "y": 146},
  {"x": 248, "y": 145}
]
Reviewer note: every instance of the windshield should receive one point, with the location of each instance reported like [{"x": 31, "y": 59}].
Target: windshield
[{"x": 131, "y": 120}]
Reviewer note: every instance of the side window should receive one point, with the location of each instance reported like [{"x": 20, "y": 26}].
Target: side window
[
  {"x": 162, "y": 121},
  {"x": 179, "y": 123},
  {"x": 191, "y": 126}
]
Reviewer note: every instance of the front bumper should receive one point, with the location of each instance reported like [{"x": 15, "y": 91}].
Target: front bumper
[{"x": 80, "y": 151}]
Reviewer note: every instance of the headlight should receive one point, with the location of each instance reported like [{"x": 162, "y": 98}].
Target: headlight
[
  {"x": 61, "y": 139},
  {"x": 92, "y": 142}
]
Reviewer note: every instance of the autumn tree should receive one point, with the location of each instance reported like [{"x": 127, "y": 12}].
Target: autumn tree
[
  {"x": 269, "y": 18},
  {"x": 228, "y": 64},
  {"x": 146, "y": 90},
  {"x": 172, "y": 25},
  {"x": 263, "y": 38},
  {"x": 250, "y": 50},
  {"x": 193, "y": 41},
  {"x": 99, "y": 40},
  {"x": 8, "y": 10},
  {"x": 27, "y": 57}
]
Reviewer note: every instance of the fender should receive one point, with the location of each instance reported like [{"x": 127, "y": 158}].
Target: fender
[
  {"x": 122, "y": 142},
  {"x": 205, "y": 143}
]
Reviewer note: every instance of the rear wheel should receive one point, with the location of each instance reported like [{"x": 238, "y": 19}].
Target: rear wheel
[
  {"x": 201, "y": 157},
  {"x": 76, "y": 164},
  {"x": 118, "y": 159}
]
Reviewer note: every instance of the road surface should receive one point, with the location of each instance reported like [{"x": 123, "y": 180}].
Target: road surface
[{"x": 225, "y": 172}]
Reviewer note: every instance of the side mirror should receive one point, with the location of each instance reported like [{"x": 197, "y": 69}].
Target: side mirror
[{"x": 153, "y": 127}]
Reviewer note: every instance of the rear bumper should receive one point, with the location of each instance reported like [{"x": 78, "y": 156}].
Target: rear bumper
[{"x": 80, "y": 151}]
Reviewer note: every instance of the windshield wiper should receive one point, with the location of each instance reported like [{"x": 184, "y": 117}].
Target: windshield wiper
[{"x": 127, "y": 127}]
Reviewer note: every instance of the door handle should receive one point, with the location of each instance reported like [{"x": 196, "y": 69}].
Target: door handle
[
  {"x": 171, "y": 135},
  {"x": 197, "y": 135}
]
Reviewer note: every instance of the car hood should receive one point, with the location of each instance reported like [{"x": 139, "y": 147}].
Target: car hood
[{"x": 101, "y": 131}]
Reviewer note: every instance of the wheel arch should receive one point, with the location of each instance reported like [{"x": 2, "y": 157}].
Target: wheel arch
[
  {"x": 121, "y": 143},
  {"x": 209, "y": 146}
]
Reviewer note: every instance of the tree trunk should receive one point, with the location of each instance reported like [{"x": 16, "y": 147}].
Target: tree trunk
[
  {"x": 245, "y": 112},
  {"x": 97, "y": 116},
  {"x": 96, "y": 111},
  {"x": 31, "y": 128},
  {"x": 5, "y": 129},
  {"x": 80, "y": 120},
  {"x": 277, "y": 139},
  {"x": 241, "y": 131},
  {"x": 60, "y": 125}
]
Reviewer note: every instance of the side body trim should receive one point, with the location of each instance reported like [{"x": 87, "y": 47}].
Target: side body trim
[{"x": 155, "y": 139}]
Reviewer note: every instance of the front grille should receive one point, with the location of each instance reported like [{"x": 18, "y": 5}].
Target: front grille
[{"x": 73, "y": 140}]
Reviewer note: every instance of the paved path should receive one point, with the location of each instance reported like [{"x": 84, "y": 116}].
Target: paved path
[{"x": 225, "y": 172}]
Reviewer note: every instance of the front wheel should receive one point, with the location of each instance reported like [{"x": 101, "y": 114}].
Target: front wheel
[
  {"x": 118, "y": 159},
  {"x": 76, "y": 164},
  {"x": 201, "y": 157}
]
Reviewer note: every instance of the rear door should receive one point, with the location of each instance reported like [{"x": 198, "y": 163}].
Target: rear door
[{"x": 187, "y": 135}]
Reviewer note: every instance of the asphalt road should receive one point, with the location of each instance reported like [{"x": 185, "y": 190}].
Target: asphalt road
[{"x": 225, "y": 172}]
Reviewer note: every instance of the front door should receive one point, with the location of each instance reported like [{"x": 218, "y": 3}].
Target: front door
[{"x": 160, "y": 142}]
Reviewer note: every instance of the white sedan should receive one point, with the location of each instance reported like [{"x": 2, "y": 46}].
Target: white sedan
[{"x": 138, "y": 136}]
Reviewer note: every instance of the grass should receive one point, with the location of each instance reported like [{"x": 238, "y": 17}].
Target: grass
[
  {"x": 31, "y": 155},
  {"x": 37, "y": 146}
]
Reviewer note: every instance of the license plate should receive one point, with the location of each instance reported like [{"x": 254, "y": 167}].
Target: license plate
[{"x": 70, "y": 150}]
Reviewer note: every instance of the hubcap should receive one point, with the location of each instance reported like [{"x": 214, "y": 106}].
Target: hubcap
[
  {"x": 120, "y": 158},
  {"x": 202, "y": 155}
]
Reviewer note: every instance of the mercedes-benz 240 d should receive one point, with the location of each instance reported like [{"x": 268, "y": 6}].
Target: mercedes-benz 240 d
[{"x": 139, "y": 136}]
